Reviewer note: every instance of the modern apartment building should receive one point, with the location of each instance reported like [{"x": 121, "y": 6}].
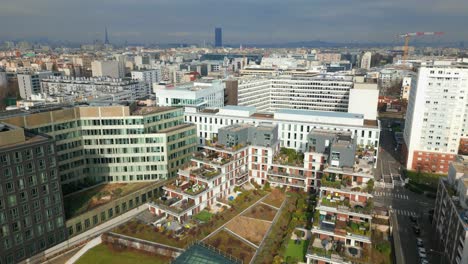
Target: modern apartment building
[
  {"x": 69, "y": 89},
  {"x": 318, "y": 93},
  {"x": 30, "y": 83},
  {"x": 407, "y": 82},
  {"x": 111, "y": 68},
  {"x": 436, "y": 117},
  {"x": 366, "y": 60},
  {"x": 31, "y": 203},
  {"x": 450, "y": 218},
  {"x": 199, "y": 94},
  {"x": 115, "y": 143},
  {"x": 341, "y": 230},
  {"x": 148, "y": 78},
  {"x": 333, "y": 164},
  {"x": 293, "y": 125}
]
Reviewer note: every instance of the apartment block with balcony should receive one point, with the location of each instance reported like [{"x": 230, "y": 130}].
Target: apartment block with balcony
[
  {"x": 213, "y": 173},
  {"x": 450, "y": 218},
  {"x": 341, "y": 230}
]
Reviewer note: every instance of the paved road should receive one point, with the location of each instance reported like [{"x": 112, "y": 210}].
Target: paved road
[
  {"x": 403, "y": 202},
  {"x": 389, "y": 158}
]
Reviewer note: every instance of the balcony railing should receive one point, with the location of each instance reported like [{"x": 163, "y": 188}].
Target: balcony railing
[
  {"x": 177, "y": 207},
  {"x": 285, "y": 174}
]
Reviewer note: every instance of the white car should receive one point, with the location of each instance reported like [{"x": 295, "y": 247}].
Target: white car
[
  {"x": 422, "y": 250},
  {"x": 422, "y": 255}
]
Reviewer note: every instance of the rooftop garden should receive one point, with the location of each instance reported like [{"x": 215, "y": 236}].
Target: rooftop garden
[
  {"x": 362, "y": 229},
  {"x": 81, "y": 202},
  {"x": 345, "y": 182},
  {"x": 175, "y": 205},
  {"x": 289, "y": 157},
  {"x": 297, "y": 212},
  {"x": 103, "y": 254},
  {"x": 191, "y": 231},
  {"x": 344, "y": 203},
  {"x": 212, "y": 157},
  {"x": 338, "y": 251},
  {"x": 205, "y": 173},
  {"x": 189, "y": 187}
]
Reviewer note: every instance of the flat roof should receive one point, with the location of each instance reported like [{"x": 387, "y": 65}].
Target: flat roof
[
  {"x": 320, "y": 113},
  {"x": 239, "y": 107},
  {"x": 145, "y": 110}
]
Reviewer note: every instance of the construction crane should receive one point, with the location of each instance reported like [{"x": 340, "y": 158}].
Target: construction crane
[{"x": 407, "y": 37}]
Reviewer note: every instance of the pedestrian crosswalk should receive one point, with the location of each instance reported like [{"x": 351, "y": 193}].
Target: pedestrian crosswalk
[
  {"x": 393, "y": 195},
  {"x": 404, "y": 212}
]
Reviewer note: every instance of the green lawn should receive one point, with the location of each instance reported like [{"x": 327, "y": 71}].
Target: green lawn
[
  {"x": 101, "y": 254},
  {"x": 204, "y": 216},
  {"x": 296, "y": 252}
]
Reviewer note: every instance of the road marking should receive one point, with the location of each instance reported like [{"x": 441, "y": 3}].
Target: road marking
[
  {"x": 394, "y": 195},
  {"x": 405, "y": 212}
]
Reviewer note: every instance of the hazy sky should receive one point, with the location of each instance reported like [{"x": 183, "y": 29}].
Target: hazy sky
[{"x": 243, "y": 21}]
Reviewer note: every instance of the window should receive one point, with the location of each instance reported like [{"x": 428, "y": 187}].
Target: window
[
  {"x": 4, "y": 160},
  {"x": 18, "y": 157},
  {"x": 39, "y": 151}
]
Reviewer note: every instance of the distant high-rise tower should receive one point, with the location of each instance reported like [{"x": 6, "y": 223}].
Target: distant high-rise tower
[
  {"x": 218, "y": 37},
  {"x": 106, "y": 40}
]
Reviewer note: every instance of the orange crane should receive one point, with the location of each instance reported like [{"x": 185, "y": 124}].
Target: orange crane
[{"x": 407, "y": 37}]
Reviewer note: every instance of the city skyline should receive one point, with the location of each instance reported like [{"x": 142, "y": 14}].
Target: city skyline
[{"x": 260, "y": 22}]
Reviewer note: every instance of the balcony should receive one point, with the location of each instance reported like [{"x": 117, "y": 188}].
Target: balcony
[
  {"x": 286, "y": 174},
  {"x": 331, "y": 180},
  {"x": 173, "y": 205},
  {"x": 274, "y": 179},
  {"x": 336, "y": 251},
  {"x": 186, "y": 187},
  {"x": 211, "y": 157},
  {"x": 202, "y": 172},
  {"x": 342, "y": 203},
  {"x": 289, "y": 157}
]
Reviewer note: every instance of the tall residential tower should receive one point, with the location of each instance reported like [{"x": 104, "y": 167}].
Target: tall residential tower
[
  {"x": 218, "y": 37},
  {"x": 436, "y": 117}
]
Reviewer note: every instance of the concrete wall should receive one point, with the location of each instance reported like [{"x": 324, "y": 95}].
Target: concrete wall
[{"x": 142, "y": 245}]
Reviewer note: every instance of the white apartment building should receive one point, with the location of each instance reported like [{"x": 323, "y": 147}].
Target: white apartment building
[
  {"x": 293, "y": 125},
  {"x": 366, "y": 60},
  {"x": 30, "y": 83},
  {"x": 435, "y": 119},
  {"x": 317, "y": 93},
  {"x": 148, "y": 77},
  {"x": 408, "y": 82},
  {"x": 83, "y": 89},
  {"x": 200, "y": 94},
  {"x": 113, "y": 69}
]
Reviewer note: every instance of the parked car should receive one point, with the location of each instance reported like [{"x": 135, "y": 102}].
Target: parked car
[
  {"x": 419, "y": 242},
  {"x": 413, "y": 218},
  {"x": 416, "y": 229},
  {"x": 422, "y": 255},
  {"x": 422, "y": 250},
  {"x": 424, "y": 261}
]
